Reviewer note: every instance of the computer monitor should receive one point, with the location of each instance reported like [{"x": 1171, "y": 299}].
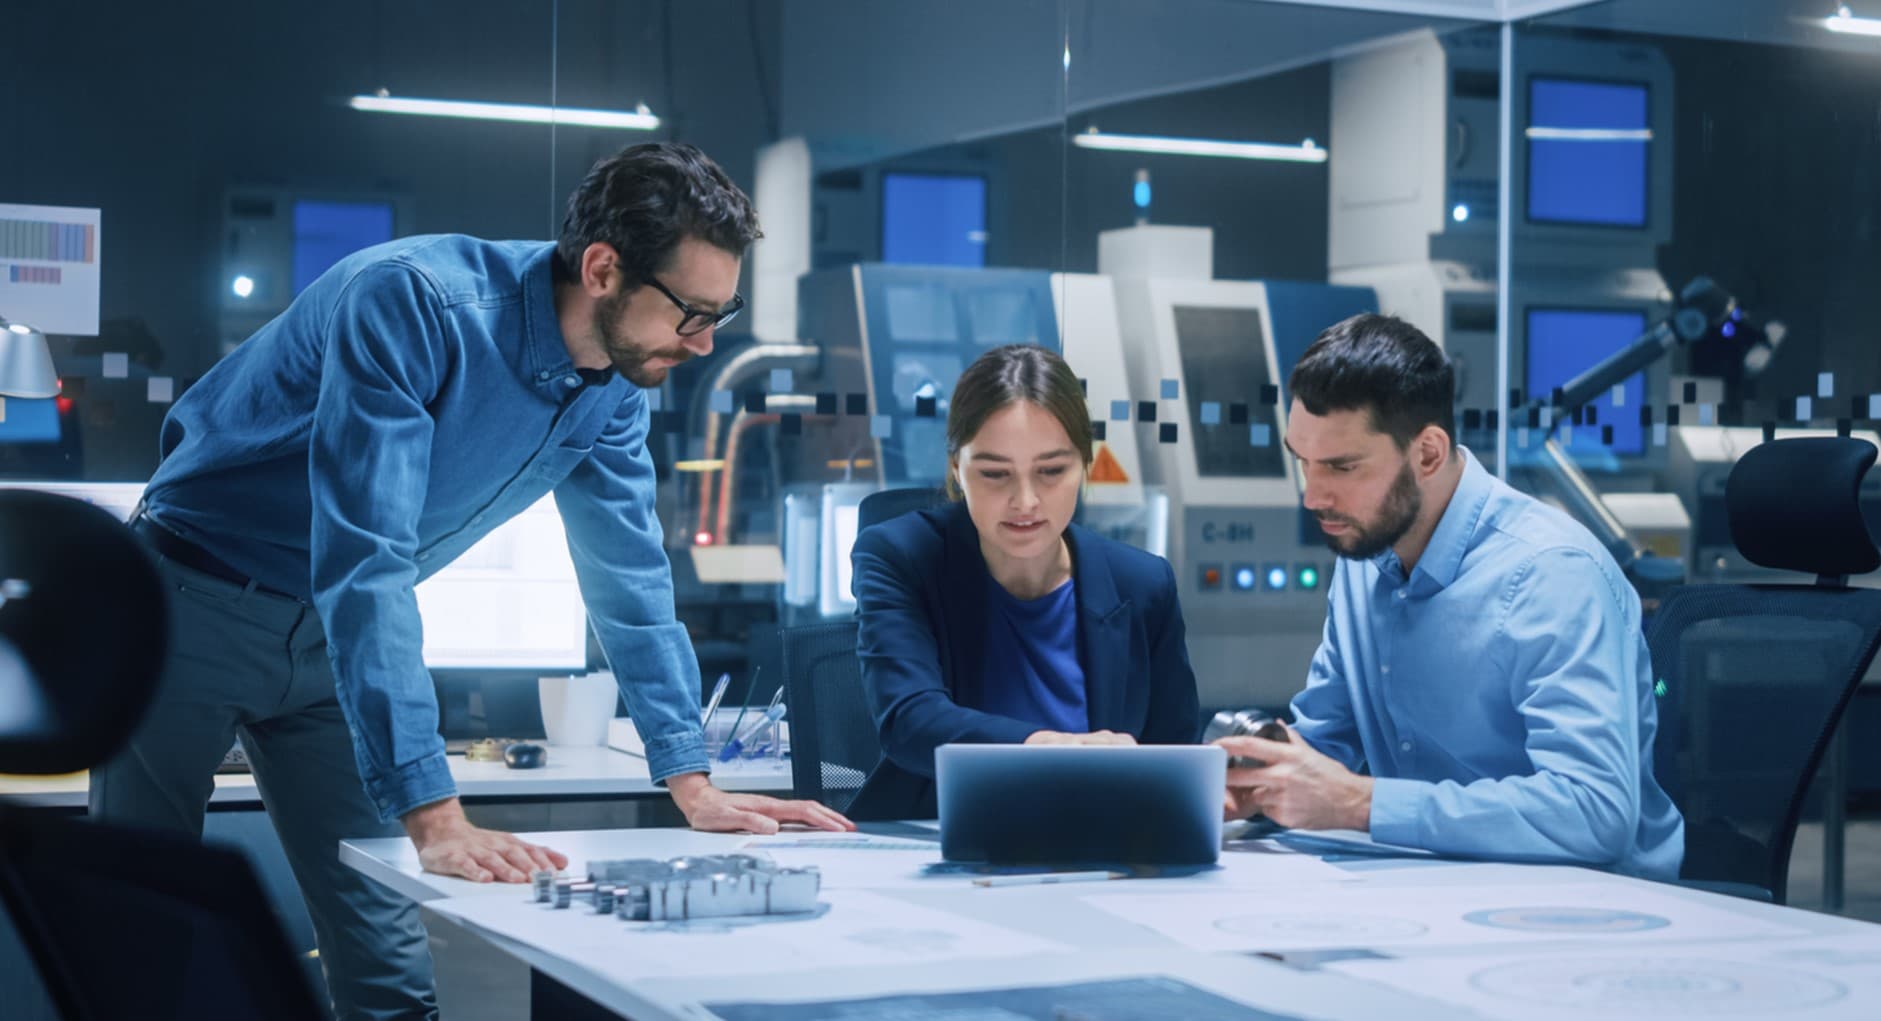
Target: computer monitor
[
  {"x": 119, "y": 499},
  {"x": 1588, "y": 152},
  {"x": 934, "y": 219},
  {"x": 326, "y": 232},
  {"x": 1564, "y": 342},
  {"x": 510, "y": 602},
  {"x": 839, "y": 520}
]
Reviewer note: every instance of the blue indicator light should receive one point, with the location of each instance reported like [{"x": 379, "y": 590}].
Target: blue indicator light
[
  {"x": 1141, "y": 193},
  {"x": 1276, "y": 578},
  {"x": 1244, "y": 578}
]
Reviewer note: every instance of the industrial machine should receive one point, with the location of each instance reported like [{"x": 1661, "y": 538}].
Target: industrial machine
[{"x": 1208, "y": 362}]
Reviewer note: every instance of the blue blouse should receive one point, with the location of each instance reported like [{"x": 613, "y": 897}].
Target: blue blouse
[{"x": 1031, "y": 659}]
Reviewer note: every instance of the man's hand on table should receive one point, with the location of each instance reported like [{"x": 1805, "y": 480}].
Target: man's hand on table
[
  {"x": 450, "y": 846},
  {"x": 713, "y": 810}
]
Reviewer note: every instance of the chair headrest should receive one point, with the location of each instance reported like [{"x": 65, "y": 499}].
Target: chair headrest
[
  {"x": 1794, "y": 505},
  {"x": 886, "y": 504},
  {"x": 84, "y": 627}
]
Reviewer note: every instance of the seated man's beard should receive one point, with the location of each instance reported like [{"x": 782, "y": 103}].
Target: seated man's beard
[{"x": 1368, "y": 539}]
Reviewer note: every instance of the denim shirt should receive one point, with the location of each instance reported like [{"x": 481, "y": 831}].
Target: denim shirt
[
  {"x": 1500, "y": 692},
  {"x": 414, "y": 397}
]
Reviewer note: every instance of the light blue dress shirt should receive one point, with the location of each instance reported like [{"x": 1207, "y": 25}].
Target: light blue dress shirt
[
  {"x": 414, "y": 397},
  {"x": 1501, "y": 694}
]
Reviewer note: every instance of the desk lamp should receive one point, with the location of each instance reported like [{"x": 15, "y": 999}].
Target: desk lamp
[{"x": 25, "y": 362}]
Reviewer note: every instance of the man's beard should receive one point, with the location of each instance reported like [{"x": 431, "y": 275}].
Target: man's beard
[
  {"x": 1402, "y": 505},
  {"x": 628, "y": 359}
]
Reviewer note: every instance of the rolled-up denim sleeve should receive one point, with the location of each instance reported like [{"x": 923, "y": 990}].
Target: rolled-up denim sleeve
[
  {"x": 614, "y": 535},
  {"x": 369, "y": 464},
  {"x": 1571, "y": 641}
]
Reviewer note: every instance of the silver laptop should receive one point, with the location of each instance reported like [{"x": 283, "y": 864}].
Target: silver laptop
[{"x": 1080, "y": 804}]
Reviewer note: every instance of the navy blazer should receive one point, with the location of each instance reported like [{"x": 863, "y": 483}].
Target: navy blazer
[{"x": 920, "y": 587}]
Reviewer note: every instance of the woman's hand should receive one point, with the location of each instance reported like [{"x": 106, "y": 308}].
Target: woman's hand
[{"x": 1096, "y": 737}]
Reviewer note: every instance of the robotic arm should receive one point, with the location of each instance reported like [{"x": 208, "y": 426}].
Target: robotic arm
[{"x": 1703, "y": 306}]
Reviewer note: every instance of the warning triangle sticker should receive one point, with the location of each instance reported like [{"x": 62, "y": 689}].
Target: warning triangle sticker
[{"x": 1104, "y": 467}]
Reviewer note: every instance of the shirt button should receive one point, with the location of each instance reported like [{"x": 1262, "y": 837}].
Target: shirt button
[
  {"x": 424, "y": 556},
  {"x": 1404, "y": 746},
  {"x": 1400, "y": 593},
  {"x": 1385, "y": 668},
  {"x": 571, "y": 380},
  {"x": 476, "y": 519}
]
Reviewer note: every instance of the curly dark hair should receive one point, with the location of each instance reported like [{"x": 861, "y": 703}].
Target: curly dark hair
[{"x": 645, "y": 199}]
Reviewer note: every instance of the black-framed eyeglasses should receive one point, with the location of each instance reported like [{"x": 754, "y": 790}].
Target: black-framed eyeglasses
[{"x": 695, "y": 321}]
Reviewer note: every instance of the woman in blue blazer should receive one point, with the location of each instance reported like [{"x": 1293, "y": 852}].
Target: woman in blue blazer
[{"x": 994, "y": 619}]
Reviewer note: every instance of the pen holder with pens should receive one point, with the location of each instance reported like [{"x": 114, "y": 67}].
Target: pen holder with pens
[{"x": 761, "y": 734}]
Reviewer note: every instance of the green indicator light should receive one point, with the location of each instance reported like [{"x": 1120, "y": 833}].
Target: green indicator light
[
  {"x": 1658, "y": 690},
  {"x": 1309, "y": 577}
]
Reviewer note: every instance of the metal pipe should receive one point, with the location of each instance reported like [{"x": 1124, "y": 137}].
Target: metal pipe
[
  {"x": 727, "y": 376},
  {"x": 740, "y": 421}
]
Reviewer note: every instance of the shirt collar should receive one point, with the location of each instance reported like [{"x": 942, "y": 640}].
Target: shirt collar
[
  {"x": 549, "y": 363},
  {"x": 1451, "y": 539},
  {"x": 551, "y": 368}
]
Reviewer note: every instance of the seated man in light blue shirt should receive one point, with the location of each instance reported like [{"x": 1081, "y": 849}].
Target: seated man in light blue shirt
[{"x": 1482, "y": 688}]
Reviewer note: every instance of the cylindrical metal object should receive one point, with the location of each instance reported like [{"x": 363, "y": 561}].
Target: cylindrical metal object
[{"x": 1244, "y": 723}]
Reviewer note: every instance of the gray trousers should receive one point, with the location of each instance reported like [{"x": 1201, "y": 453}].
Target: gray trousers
[{"x": 246, "y": 663}]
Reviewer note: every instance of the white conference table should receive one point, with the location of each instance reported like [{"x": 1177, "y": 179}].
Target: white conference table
[
  {"x": 569, "y": 772},
  {"x": 1090, "y": 942}
]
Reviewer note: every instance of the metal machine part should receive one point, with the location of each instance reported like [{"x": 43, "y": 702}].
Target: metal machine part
[
  {"x": 1244, "y": 723},
  {"x": 696, "y": 886}
]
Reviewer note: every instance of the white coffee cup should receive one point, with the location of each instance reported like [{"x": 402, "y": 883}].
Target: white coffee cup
[{"x": 575, "y": 710}]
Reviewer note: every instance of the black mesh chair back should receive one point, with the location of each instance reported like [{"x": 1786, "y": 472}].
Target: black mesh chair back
[
  {"x": 120, "y": 922},
  {"x": 130, "y": 923},
  {"x": 893, "y": 503},
  {"x": 1753, "y": 679},
  {"x": 833, "y": 742}
]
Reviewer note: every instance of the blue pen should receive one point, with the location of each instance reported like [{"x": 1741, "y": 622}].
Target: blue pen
[{"x": 736, "y": 745}]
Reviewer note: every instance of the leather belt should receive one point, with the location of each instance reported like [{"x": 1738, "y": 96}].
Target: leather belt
[{"x": 172, "y": 546}]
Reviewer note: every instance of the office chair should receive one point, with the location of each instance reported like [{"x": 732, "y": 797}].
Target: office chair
[
  {"x": 120, "y": 922},
  {"x": 893, "y": 503},
  {"x": 1753, "y": 679},
  {"x": 833, "y": 742}
]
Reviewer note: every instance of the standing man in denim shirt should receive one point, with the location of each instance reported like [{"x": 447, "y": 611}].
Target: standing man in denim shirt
[
  {"x": 410, "y": 400},
  {"x": 1482, "y": 662}
]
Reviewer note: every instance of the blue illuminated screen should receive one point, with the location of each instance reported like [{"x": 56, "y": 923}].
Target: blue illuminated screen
[
  {"x": 1563, "y": 343},
  {"x": 30, "y": 420},
  {"x": 326, "y": 232},
  {"x": 934, "y": 219},
  {"x": 1595, "y": 178}
]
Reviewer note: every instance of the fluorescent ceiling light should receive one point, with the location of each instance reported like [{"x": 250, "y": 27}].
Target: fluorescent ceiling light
[
  {"x": 638, "y": 120},
  {"x": 1592, "y": 134},
  {"x": 1847, "y": 23},
  {"x": 1305, "y": 152}
]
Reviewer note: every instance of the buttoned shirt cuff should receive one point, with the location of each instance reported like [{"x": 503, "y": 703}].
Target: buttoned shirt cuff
[
  {"x": 678, "y": 753},
  {"x": 412, "y": 785},
  {"x": 1398, "y": 808}
]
